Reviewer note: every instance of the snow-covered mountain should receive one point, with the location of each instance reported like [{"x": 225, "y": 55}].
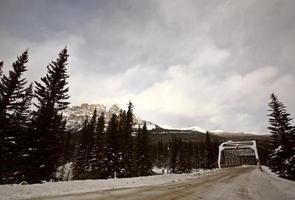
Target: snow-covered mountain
[
  {"x": 192, "y": 128},
  {"x": 217, "y": 131},
  {"x": 76, "y": 115}
]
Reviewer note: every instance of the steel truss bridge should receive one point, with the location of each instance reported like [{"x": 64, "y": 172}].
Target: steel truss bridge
[{"x": 236, "y": 153}]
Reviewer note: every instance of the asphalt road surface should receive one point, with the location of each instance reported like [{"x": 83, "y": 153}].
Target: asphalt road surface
[{"x": 229, "y": 184}]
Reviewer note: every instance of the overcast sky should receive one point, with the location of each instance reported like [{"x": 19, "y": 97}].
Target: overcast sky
[{"x": 182, "y": 63}]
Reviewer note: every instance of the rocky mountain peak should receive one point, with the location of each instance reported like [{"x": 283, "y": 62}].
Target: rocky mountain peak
[{"x": 76, "y": 115}]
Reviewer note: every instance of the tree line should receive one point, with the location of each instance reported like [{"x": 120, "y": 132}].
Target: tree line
[
  {"x": 183, "y": 156},
  {"x": 115, "y": 151},
  {"x": 120, "y": 151}
]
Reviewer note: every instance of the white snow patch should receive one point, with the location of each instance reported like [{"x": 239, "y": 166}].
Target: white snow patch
[
  {"x": 150, "y": 126},
  {"x": 192, "y": 128},
  {"x": 217, "y": 131},
  {"x": 278, "y": 149},
  {"x": 161, "y": 170},
  {"x": 267, "y": 170},
  {"x": 65, "y": 172},
  {"x": 165, "y": 126},
  {"x": 16, "y": 192}
]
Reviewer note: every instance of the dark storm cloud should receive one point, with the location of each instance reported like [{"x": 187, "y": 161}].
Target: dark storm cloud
[{"x": 183, "y": 63}]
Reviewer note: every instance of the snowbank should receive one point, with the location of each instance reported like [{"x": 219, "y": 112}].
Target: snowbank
[
  {"x": 268, "y": 170},
  {"x": 14, "y": 192}
]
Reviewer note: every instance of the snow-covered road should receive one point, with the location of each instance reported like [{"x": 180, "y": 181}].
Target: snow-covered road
[{"x": 228, "y": 184}]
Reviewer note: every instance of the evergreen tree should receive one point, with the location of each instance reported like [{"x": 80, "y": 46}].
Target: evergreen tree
[
  {"x": 196, "y": 156},
  {"x": 20, "y": 115},
  {"x": 98, "y": 154},
  {"x": 113, "y": 154},
  {"x": 90, "y": 136},
  {"x": 202, "y": 155},
  {"x": 180, "y": 158},
  {"x": 19, "y": 129},
  {"x": 128, "y": 145},
  {"x": 1, "y": 66},
  {"x": 12, "y": 89},
  {"x": 52, "y": 95},
  {"x": 143, "y": 152},
  {"x": 188, "y": 146},
  {"x": 282, "y": 137},
  {"x": 122, "y": 149},
  {"x": 166, "y": 156},
  {"x": 159, "y": 154},
  {"x": 67, "y": 147},
  {"x": 208, "y": 158},
  {"x": 85, "y": 155},
  {"x": 15, "y": 101},
  {"x": 81, "y": 157},
  {"x": 279, "y": 120},
  {"x": 67, "y": 155},
  {"x": 183, "y": 159},
  {"x": 174, "y": 145}
]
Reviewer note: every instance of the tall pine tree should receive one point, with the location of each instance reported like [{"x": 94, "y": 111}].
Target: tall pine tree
[
  {"x": 81, "y": 154},
  {"x": 91, "y": 129},
  {"x": 122, "y": 120},
  {"x": 12, "y": 88},
  {"x": 282, "y": 139},
  {"x": 1, "y": 66},
  {"x": 15, "y": 100},
  {"x": 143, "y": 152},
  {"x": 52, "y": 96},
  {"x": 208, "y": 152},
  {"x": 98, "y": 154},
  {"x": 174, "y": 146},
  {"x": 114, "y": 157},
  {"x": 128, "y": 145},
  {"x": 21, "y": 131}
]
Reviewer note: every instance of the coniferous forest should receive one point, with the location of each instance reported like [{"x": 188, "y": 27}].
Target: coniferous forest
[{"x": 35, "y": 145}]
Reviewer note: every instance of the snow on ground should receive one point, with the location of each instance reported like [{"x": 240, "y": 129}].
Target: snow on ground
[
  {"x": 268, "y": 170},
  {"x": 65, "y": 172},
  {"x": 158, "y": 170},
  {"x": 15, "y": 192}
]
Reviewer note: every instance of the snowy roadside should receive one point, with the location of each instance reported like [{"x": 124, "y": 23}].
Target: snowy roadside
[
  {"x": 268, "y": 170},
  {"x": 15, "y": 192}
]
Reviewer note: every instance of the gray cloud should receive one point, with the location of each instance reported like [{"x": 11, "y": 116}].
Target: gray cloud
[{"x": 183, "y": 63}]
